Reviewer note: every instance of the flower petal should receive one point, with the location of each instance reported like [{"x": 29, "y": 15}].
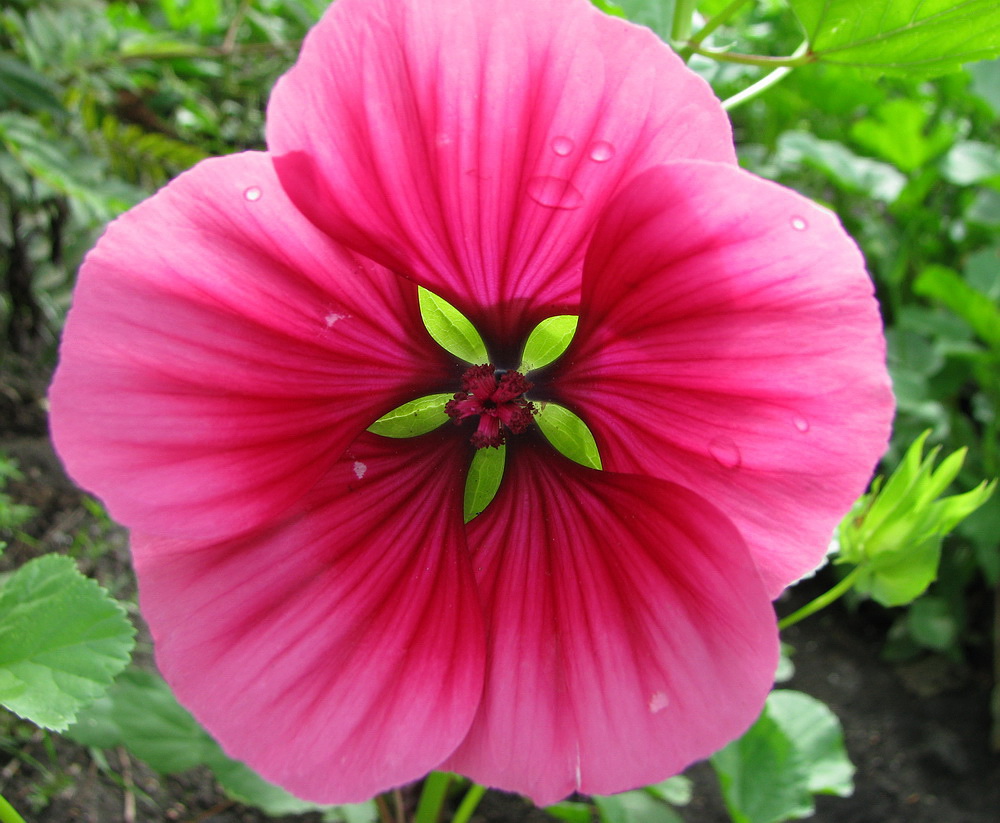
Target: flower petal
[
  {"x": 729, "y": 341},
  {"x": 222, "y": 352},
  {"x": 471, "y": 145},
  {"x": 341, "y": 652},
  {"x": 629, "y": 632}
]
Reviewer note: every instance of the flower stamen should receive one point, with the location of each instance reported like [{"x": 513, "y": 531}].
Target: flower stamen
[{"x": 497, "y": 397}]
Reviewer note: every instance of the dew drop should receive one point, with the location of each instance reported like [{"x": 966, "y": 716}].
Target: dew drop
[
  {"x": 562, "y": 146},
  {"x": 801, "y": 424},
  {"x": 799, "y": 224},
  {"x": 253, "y": 194},
  {"x": 359, "y": 469},
  {"x": 601, "y": 151},
  {"x": 725, "y": 452},
  {"x": 555, "y": 193},
  {"x": 332, "y": 318}
]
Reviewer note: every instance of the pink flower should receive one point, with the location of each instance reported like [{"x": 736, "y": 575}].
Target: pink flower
[{"x": 315, "y": 597}]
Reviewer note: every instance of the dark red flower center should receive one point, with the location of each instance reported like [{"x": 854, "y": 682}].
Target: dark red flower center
[{"x": 497, "y": 397}]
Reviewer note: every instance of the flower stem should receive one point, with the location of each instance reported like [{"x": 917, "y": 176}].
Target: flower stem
[
  {"x": 680, "y": 29},
  {"x": 822, "y": 601},
  {"x": 469, "y": 803},
  {"x": 7, "y": 812},
  {"x": 792, "y": 61},
  {"x": 712, "y": 24},
  {"x": 765, "y": 82},
  {"x": 432, "y": 797}
]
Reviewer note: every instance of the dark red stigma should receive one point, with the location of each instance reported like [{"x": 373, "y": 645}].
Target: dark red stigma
[{"x": 498, "y": 398}]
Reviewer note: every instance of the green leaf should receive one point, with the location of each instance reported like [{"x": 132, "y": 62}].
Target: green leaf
[
  {"x": 898, "y": 133},
  {"x": 483, "y": 481},
  {"x": 903, "y": 37},
  {"x": 793, "y": 751},
  {"x": 986, "y": 82},
  {"x": 978, "y": 310},
  {"x": 570, "y": 811},
  {"x": 141, "y": 713},
  {"x": 860, "y": 174},
  {"x": 22, "y": 85},
  {"x": 547, "y": 341},
  {"x": 634, "y": 807},
  {"x": 451, "y": 329},
  {"x": 62, "y": 641},
  {"x": 971, "y": 162},
  {"x": 414, "y": 418},
  {"x": 568, "y": 434},
  {"x": 932, "y": 623}
]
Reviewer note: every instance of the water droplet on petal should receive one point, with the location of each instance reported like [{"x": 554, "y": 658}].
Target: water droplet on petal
[
  {"x": 562, "y": 146},
  {"x": 253, "y": 193},
  {"x": 801, "y": 424},
  {"x": 555, "y": 193},
  {"x": 332, "y": 318},
  {"x": 799, "y": 224},
  {"x": 601, "y": 151},
  {"x": 725, "y": 452},
  {"x": 359, "y": 469}
]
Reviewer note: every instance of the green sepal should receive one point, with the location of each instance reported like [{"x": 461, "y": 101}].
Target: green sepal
[
  {"x": 894, "y": 532},
  {"x": 483, "y": 481},
  {"x": 414, "y": 418},
  {"x": 568, "y": 434},
  {"x": 450, "y": 328},
  {"x": 547, "y": 341}
]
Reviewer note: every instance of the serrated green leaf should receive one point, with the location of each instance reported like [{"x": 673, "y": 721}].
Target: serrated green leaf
[
  {"x": 62, "y": 641},
  {"x": 793, "y": 751},
  {"x": 547, "y": 341},
  {"x": 451, "y": 329},
  {"x": 414, "y": 418},
  {"x": 483, "y": 482},
  {"x": 569, "y": 434},
  {"x": 903, "y": 37}
]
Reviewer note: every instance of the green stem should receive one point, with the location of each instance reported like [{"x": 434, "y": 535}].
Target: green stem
[
  {"x": 822, "y": 601},
  {"x": 432, "y": 797},
  {"x": 792, "y": 61},
  {"x": 712, "y": 24},
  {"x": 469, "y": 803},
  {"x": 765, "y": 82},
  {"x": 680, "y": 30},
  {"x": 7, "y": 812}
]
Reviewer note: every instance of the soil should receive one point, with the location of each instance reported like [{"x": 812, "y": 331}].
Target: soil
[{"x": 918, "y": 733}]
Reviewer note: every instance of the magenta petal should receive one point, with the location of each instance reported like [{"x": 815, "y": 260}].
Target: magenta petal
[
  {"x": 341, "y": 652},
  {"x": 222, "y": 352},
  {"x": 729, "y": 341},
  {"x": 471, "y": 145},
  {"x": 629, "y": 631}
]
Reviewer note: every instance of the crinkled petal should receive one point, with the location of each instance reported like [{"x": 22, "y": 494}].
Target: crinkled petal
[
  {"x": 471, "y": 145},
  {"x": 729, "y": 341},
  {"x": 341, "y": 652},
  {"x": 221, "y": 352},
  {"x": 629, "y": 632}
]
